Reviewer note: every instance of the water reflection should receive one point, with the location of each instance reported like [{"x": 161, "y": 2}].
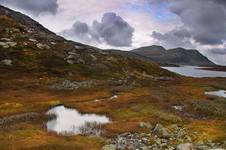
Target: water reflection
[{"x": 69, "y": 121}]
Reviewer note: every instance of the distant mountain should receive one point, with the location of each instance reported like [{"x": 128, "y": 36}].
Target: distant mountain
[{"x": 177, "y": 56}]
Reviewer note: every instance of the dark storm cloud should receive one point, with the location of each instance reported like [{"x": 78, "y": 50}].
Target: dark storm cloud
[
  {"x": 34, "y": 6},
  {"x": 218, "y": 51},
  {"x": 179, "y": 37},
  {"x": 205, "y": 19},
  {"x": 112, "y": 30},
  {"x": 80, "y": 31}
]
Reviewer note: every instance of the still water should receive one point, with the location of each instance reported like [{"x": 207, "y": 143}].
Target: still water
[
  {"x": 194, "y": 71},
  {"x": 220, "y": 93},
  {"x": 69, "y": 121}
]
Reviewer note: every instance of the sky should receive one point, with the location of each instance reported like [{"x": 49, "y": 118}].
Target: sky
[{"x": 129, "y": 24}]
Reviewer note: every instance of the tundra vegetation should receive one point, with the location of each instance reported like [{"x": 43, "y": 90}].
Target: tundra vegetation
[{"x": 152, "y": 107}]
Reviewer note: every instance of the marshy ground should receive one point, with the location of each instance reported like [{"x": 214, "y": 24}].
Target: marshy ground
[{"x": 201, "y": 114}]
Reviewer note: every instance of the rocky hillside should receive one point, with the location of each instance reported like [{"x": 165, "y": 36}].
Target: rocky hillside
[
  {"x": 177, "y": 56},
  {"x": 27, "y": 49}
]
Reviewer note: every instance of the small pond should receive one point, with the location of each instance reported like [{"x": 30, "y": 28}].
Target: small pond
[
  {"x": 220, "y": 93},
  {"x": 69, "y": 121}
]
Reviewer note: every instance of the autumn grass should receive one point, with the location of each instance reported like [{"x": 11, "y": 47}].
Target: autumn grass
[{"x": 149, "y": 104}]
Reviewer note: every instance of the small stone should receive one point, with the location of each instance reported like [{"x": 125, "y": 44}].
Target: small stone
[
  {"x": 145, "y": 125},
  {"x": 7, "y": 62},
  {"x": 33, "y": 40},
  {"x": 12, "y": 44},
  {"x": 79, "y": 47},
  {"x": 109, "y": 147},
  {"x": 42, "y": 46},
  {"x": 186, "y": 146},
  {"x": 179, "y": 108},
  {"x": 5, "y": 39},
  {"x": 8, "y": 44},
  {"x": 161, "y": 131}
]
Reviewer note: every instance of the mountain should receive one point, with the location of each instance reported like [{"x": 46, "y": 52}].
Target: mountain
[
  {"x": 177, "y": 56},
  {"x": 27, "y": 49}
]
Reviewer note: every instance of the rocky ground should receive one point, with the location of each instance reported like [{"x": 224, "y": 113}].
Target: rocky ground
[{"x": 160, "y": 138}]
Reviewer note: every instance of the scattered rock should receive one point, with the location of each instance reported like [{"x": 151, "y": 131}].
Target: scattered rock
[
  {"x": 33, "y": 40},
  {"x": 74, "y": 58},
  {"x": 8, "y": 44},
  {"x": 186, "y": 146},
  {"x": 161, "y": 131},
  {"x": 156, "y": 141},
  {"x": 7, "y": 62},
  {"x": 73, "y": 85},
  {"x": 145, "y": 125},
  {"x": 5, "y": 39}
]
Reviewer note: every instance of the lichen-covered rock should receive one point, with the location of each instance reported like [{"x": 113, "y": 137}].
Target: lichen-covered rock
[
  {"x": 186, "y": 146},
  {"x": 42, "y": 46},
  {"x": 7, "y": 62},
  {"x": 145, "y": 125},
  {"x": 161, "y": 131},
  {"x": 8, "y": 44},
  {"x": 109, "y": 147},
  {"x": 73, "y": 85}
]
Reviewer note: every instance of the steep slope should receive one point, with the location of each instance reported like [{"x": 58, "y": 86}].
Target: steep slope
[
  {"x": 177, "y": 56},
  {"x": 27, "y": 49}
]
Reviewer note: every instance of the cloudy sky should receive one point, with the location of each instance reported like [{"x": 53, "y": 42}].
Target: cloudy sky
[{"x": 128, "y": 24}]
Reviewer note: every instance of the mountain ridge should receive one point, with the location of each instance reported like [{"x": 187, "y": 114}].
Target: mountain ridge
[{"x": 175, "y": 56}]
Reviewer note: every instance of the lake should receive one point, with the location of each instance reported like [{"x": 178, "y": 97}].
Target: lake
[
  {"x": 195, "y": 71},
  {"x": 69, "y": 121},
  {"x": 220, "y": 93}
]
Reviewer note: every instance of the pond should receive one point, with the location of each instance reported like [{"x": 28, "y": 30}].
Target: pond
[
  {"x": 220, "y": 93},
  {"x": 195, "y": 71},
  {"x": 69, "y": 121}
]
